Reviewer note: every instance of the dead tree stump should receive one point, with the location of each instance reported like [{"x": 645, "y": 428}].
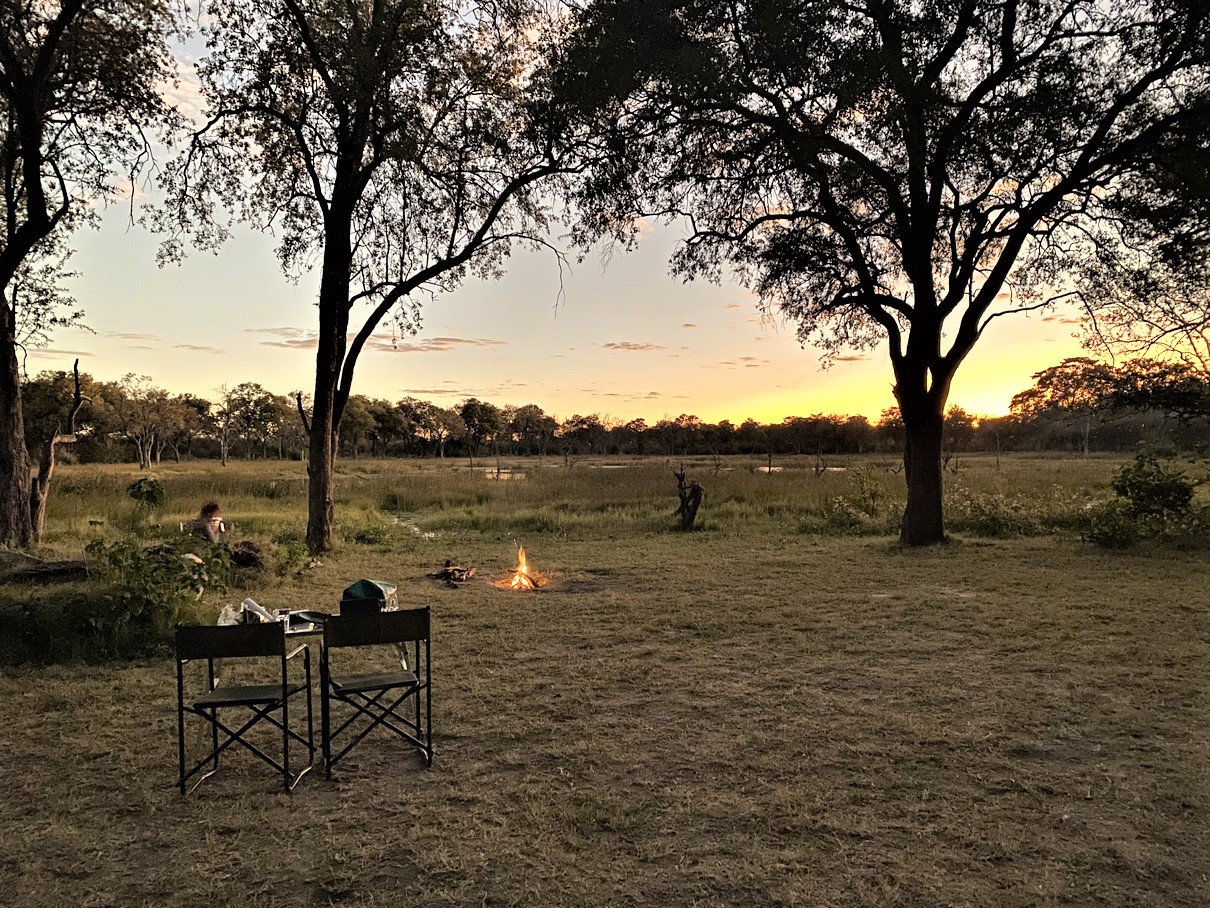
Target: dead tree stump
[{"x": 691, "y": 494}]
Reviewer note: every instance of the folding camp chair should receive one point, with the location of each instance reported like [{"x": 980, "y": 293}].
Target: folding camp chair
[
  {"x": 381, "y": 699},
  {"x": 264, "y": 701}
]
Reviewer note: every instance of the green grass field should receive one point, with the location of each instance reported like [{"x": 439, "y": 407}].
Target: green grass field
[{"x": 783, "y": 708}]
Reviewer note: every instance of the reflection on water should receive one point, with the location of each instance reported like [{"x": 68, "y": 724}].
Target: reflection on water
[{"x": 503, "y": 474}]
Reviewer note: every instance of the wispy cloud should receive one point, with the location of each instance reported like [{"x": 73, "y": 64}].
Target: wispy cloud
[
  {"x": 851, "y": 358},
  {"x": 199, "y": 348},
  {"x": 287, "y": 338},
  {"x": 451, "y": 390},
  {"x": 658, "y": 395},
  {"x": 427, "y": 392},
  {"x": 748, "y": 362},
  {"x": 634, "y": 396},
  {"x": 300, "y": 339},
  {"x": 134, "y": 336},
  {"x": 730, "y": 307},
  {"x": 688, "y": 325},
  {"x": 434, "y": 344},
  {"x": 1062, "y": 319},
  {"x": 55, "y": 351},
  {"x": 633, "y": 346},
  {"x": 186, "y": 91}
]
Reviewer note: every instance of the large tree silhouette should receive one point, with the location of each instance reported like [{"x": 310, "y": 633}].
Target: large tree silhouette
[
  {"x": 389, "y": 141},
  {"x": 885, "y": 172},
  {"x": 79, "y": 86}
]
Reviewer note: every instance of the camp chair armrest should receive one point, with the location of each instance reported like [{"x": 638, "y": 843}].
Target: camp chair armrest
[{"x": 302, "y": 648}]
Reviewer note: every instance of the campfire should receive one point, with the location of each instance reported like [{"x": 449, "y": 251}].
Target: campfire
[{"x": 524, "y": 577}]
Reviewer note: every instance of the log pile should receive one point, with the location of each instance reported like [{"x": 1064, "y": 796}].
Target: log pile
[{"x": 453, "y": 574}]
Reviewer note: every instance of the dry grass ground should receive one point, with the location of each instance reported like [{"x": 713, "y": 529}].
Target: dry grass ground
[{"x": 716, "y": 719}]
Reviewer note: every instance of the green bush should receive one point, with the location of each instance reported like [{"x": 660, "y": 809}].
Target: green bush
[
  {"x": 991, "y": 514},
  {"x": 1114, "y": 526},
  {"x": 147, "y": 492},
  {"x": 142, "y": 590},
  {"x": 366, "y": 532},
  {"x": 1188, "y": 529},
  {"x": 1154, "y": 502},
  {"x": 1151, "y": 489}
]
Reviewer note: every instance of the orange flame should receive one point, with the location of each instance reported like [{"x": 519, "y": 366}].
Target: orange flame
[{"x": 524, "y": 577}]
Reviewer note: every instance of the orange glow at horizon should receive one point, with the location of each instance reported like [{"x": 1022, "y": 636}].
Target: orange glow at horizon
[{"x": 983, "y": 386}]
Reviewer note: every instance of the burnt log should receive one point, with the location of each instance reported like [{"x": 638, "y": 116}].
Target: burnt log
[
  {"x": 18, "y": 568},
  {"x": 453, "y": 574}
]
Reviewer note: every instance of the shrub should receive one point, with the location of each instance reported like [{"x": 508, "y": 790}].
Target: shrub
[
  {"x": 147, "y": 492},
  {"x": 1154, "y": 502},
  {"x": 1188, "y": 529},
  {"x": 1151, "y": 489},
  {"x": 395, "y": 502},
  {"x": 1114, "y": 526},
  {"x": 289, "y": 556},
  {"x": 869, "y": 494},
  {"x": 847, "y": 515},
  {"x": 366, "y": 532},
  {"x": 142, "y": 592},
  {"x": 994, "y": 514}
]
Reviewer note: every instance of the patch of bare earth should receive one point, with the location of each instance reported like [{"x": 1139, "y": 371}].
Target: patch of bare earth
[{"x": 683, "y": 720}]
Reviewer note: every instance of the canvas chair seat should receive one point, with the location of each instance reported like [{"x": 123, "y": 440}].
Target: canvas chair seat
[
  {"x": 246, "y": 695},
  {"x": 360, "y": 683}
]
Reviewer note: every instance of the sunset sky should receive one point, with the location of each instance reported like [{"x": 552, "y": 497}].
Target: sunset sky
[
  {"x": 617, "y": 337},
  {"x": 625, "y": 340}
]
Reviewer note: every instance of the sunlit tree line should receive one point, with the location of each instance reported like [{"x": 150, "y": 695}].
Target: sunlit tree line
[{"x": 1080, "y": 406}]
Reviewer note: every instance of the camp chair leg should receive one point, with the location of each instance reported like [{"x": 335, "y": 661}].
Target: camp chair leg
[
  {"x": 325, "y": 716},
  {"x": 214, "y": 737},
  {"x": 285, "y": 744},
  {"x": 180, "y": 727}
]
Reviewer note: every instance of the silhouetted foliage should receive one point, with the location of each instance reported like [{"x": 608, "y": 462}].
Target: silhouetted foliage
[
  {"x": 895, "y": 172},
  {"x": 391, "y": 142},
  {"x": 80, "y": 87}
]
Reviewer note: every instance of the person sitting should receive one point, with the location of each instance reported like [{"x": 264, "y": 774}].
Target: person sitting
[{"x": 209, "y": 524}]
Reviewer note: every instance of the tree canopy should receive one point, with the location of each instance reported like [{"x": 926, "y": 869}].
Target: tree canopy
[
  {"x": 391, "y": 142},
  {"x": 80, "y": 90},
  {"x": 885, "y": 172}
]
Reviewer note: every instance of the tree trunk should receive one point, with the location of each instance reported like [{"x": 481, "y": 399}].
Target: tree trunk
[
  {"x": 923, "y": 523},
  {"x": 16, "y": 527},
  {"x": 329, "y": 360},
  {"x": 320, "y": 472},
  {"x": 40, "y": 487}
]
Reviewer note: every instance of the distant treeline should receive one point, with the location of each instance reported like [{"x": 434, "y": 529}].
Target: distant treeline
[{"x": 1079, "y": 405}]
